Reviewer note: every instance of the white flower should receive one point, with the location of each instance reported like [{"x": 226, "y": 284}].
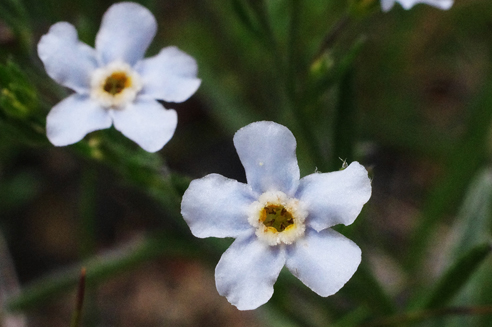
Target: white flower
[
  {"x": 113, "y": 83},
  {"x": 277, "y": 219},
  {"x": 407, "y": 4}
]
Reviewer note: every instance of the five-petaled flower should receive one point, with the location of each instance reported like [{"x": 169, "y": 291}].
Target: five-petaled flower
[
  {"x": 113, "y": 83},
  {"x": 386, "y": 5},
  {"x": 277, "y": 218}
]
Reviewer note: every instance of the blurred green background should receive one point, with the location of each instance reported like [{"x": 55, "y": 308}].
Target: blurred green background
[{"x": 406, "y": 93}]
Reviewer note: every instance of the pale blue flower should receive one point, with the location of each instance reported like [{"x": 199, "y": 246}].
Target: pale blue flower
[
  {"x": 113, "y": 83},
  {"x": 277, "y": 218},
  {"x": 386, "y": 5}
]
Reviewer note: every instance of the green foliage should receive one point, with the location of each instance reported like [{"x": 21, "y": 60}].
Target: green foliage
[
  {"x": 20, "y": 114},
  {"x": 18, "y": 98},
  {"x": 407, "y": 93},
  {"x": 454, "y": 279}
]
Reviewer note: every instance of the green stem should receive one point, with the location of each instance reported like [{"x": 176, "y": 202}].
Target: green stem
[
  {"x": 99, "y": 268},
  {"x": 332, "y": 36},
  {"x": 262, "y": 15},
  {"x": 88, "y": 232},
  {"x": 344, "y": 128},
  {"x": 87, "y": 239},
  {"x": 306, "y": 127},
  {"x": 293, "y": 57},
  {"x": 294, "y": 104},
  {"x": 278, "y": 60},
  {"x": 143, "y": 170}
]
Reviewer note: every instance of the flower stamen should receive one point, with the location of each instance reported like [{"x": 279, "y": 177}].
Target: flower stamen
[
  {"x": 276, "y": 217},
  {"x": 117, "y": 82},
  {"x": 115, "y": 85}
]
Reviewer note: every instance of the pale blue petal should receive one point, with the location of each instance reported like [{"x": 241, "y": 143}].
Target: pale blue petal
[
  {"x": 147, "y": 123},
  {"x": 386, "y": 5},
  {"x": 323, "y": 261},
  {"x": 336, "y": 197},
  {"x": 441, "y": 4},
  {"x": 407, "y": 4},
  {"x": 247, "y": 271},
  {"x": 71, "y": 119},
  {"x": 268, "y": 153},
  {"x": 67, "y": 60},
  {"x": 126, "y": 31},
  {"x": 216, "y": 206},
  {"x": 169, "y": 76}
]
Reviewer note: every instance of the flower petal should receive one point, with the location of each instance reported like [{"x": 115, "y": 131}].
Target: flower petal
[
  {"x": 71, "y": 119},
  {"x": 336, "y": 197},
  {"x": 441, "y": 4},
  {"x": 67, "y": 60},
  {"x": 323, "y": 261},
  {"x": 247, "y": 271},
  {"x": 407, "y": 4},
  {"x": 147, "y": 123},
  {"x": 216, "y": 206},
  {"x": 169, "y": 76},
  {"x": 386, "y": 5},
  {"x": 126, "y": 31},
  {"x": 268, "y": 153}
]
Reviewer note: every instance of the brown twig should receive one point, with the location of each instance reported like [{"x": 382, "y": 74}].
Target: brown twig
[{"x": 77, "y": 315}]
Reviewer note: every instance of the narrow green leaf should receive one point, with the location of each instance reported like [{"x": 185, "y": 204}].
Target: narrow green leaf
[
  {"x": 100, "y": 268},
  {"x": 344, "y": 126},
  {"x": 472, "y": 227},
  {"x": 228, "y": 109},
  {"x": 20, "y": 114},
  {"x": 325, "y": 73},
  {"x": 468, "y": 156},
  {"x": 18, "y": 97},
  {"x": 353, "y": 318},
  {"x": 473, "y": 221},
  {"x": 14, "y": 13},
  {"x": 366, "y": 289},
  {"x": 245, "y": 15},
  {"x": 457, "y": 276}
]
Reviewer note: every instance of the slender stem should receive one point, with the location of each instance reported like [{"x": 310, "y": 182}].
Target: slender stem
[
  {"x": 293, "y": 57},
  {"x": 77, "y": 315},
  {"x": 400, "y": 319},
  {"x": 262, "y": 14},
  {"x": 296, "y": 106},
  {"x": 87, "y": 239},
  {"x": 332, "y": 35},
  {"x": 270, "y": 40},
  {"x": 307, "y": 129},
  {"x": 100, "y": 268},
  {"x": 344, "y": 129},
  {"x": 88, "y": 231}
]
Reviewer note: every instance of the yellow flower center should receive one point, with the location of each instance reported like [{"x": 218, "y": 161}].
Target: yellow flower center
[
  {"x": 117, "y": 82},
  {"x": 115, "y": 85},
  {"x": 276, "y": 216}
]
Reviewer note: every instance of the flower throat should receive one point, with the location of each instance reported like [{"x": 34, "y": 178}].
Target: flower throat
[
  {"x": 276, "y": 216},
  {"x": 116, "y": 83}
]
